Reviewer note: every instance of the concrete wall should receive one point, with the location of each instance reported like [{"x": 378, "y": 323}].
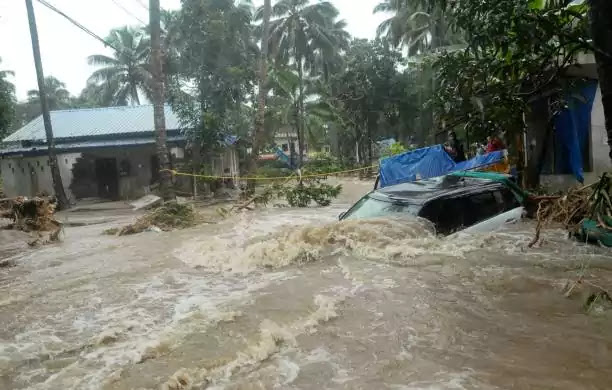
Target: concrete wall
[
  {"x": 30, "y": 176},
  {"x": 600, "y": 160},
  {"x": 132, "y": 184},
  {"x": 599, "y": 140},
  {"x": 226, "y": 163}
]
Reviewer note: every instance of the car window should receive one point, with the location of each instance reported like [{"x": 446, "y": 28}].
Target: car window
[
  {"x": 480, "y": 207},
  {"x": 369, "y": 207},
  {"x": 507, "y": 199},
  {"x": 448, "y": 215}
]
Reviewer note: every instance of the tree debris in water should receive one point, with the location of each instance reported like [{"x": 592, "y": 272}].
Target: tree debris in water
[
  {"x": 167, "y": 217},
  {"x": 578, "y": 204},
  {"x": 593, "y": 295},
  {"x": 303, "y": 194},
  {"x": 33, "y": 215}
]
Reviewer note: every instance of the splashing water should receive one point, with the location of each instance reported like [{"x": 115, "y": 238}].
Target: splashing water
[{"x": 292, "y": 299}]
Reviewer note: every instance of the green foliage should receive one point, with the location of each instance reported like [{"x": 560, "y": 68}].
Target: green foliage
[
  {"x": 7, "y": 102},
  {"x": 322, "y": 163},
  {"x": 303, "y": 195},
  {"x": 308, "y": 37},
  {"x": 167, "y": 217},
  {"x": 418, "y": 25},
  {"x": 371, "y": 99},
  {"x": 215, "y": 70},
  {"x": 516, "y": 51},
  {"x": 125, "y": 74},
  {"x": 395, "y": 149}
]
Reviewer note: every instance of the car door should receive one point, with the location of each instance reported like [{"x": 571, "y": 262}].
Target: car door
[
  {"x": 447, "y": 214},
  {"x": 493, "y": 210}
]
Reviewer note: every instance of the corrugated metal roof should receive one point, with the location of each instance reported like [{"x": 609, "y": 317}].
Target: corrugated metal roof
[
  {"x": 93, "y": 122},
  {"x": 76, "y": 146}
]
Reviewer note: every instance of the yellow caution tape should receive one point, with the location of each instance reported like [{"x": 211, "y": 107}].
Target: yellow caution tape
[{"x": 177, "y": 173}]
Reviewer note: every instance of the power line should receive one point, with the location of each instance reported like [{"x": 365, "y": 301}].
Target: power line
[
  {"x": 143, "y": 5},
  {"x": 77, "y": 24},
  {"x": 128, "y": 12}
]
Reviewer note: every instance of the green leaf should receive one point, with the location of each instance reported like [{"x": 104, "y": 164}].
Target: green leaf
[
  {"x": 580, "y": 6},
  {"x": 537, "y": 4}
]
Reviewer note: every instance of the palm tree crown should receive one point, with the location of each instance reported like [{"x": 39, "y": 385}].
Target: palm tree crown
[
  {"x": 126, "y": 73},
  {"x": 420, "y": 25},
  {"x": 58, "y": 96}
]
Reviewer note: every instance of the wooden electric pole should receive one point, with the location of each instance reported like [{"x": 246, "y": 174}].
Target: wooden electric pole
[
  {"x": 58, "y": 187},
  {"x": 159, "y": 118},
  {"x": 260, "y": 116}
]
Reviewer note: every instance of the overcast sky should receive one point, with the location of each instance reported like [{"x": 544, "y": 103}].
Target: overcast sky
[{"x": 65, "y": 48}]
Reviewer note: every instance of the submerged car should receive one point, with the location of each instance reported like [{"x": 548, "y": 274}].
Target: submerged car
[{"x": 460, "y": 201}]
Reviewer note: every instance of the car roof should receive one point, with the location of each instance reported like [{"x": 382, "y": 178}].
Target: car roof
[{"x": 423, "y": 191}]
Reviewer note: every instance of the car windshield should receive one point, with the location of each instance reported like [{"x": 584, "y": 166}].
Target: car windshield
[{"x": 369, "y": 207}]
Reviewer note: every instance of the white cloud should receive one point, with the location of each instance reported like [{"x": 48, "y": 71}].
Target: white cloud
[{"x": 65, "y": 48}]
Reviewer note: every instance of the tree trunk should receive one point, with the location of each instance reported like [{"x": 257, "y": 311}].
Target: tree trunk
[
  {"x": 300, "y": 119},
  {"x": 263, "y": 90},
  {"x": 196, "y": 163},
  {"x": 539, "y": 126},
  {"x": 159, "y": 117},
  {"x": 58, "y": 186},
  {"x": 369, "y": 140},
  {"x": 601, "y": 31}
]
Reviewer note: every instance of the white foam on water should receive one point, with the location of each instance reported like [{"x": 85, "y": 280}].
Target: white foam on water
[{"x": 272, "y": 339}]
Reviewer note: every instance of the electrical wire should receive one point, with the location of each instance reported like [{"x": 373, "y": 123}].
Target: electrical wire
[
  {"x": 143, "y": 5},
  {"x": 128, "y": 12},
  {"x": 77, "y": 24}
]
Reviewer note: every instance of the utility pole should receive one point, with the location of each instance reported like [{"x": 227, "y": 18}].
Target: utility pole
[
  {"x": 263, "y": 89},
  {"x": 159, "y": 118},
  {"x": 58, "y": 187}
]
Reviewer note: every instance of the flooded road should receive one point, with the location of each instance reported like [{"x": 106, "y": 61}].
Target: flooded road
[{"x": 291, "y": 299}]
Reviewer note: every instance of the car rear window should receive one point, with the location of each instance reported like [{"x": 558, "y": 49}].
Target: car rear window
[{"x": 369, "y": 207}]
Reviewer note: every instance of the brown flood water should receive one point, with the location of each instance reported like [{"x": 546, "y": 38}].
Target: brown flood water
[{"x": 291, "y": 299}]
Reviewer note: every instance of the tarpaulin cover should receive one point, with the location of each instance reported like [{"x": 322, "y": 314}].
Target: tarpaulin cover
[
  {"x": 428, "y": 162},
  {"x": 572, "y": 127},
  {"x": 481, "y": 161},
  {"x": 283, "y": 157}
]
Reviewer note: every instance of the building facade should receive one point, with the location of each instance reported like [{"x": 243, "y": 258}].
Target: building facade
[{"x": 103, "y": 152}]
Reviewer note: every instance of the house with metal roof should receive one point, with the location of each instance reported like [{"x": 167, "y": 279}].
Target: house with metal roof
[{"x": 102, "y": 152}]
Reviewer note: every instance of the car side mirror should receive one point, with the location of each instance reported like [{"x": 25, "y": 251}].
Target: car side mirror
[{"x": 341, "y": 215}]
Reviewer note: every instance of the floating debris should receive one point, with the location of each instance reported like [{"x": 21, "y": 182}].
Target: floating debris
[
  {"x": 167, "y": 217},
  {"x": 33, "y": 215}
]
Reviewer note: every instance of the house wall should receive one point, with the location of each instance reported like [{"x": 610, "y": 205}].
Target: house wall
[
  {"x": 226, "y": 163},
  {"x": 600, "y": 160},
  {"x": 30, "y": 176},
  {"x": 131, "y": 185}
]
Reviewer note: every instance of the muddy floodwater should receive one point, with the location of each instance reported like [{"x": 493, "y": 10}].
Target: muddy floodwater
[{"x": 292, "y": 299}]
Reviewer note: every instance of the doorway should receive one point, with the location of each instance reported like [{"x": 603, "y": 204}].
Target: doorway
[{"x": 107, "y": 178}]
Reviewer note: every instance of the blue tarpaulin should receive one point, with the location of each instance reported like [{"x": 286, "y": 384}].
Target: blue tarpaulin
[
  {"x": 283, "y": 157},
  {"x": 572, "y": 127},
  {"x": 428, "y": 162},
  {"x": 481, "y": 161}
]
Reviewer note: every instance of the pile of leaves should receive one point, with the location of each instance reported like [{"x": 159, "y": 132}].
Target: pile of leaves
[
  {"x": 580, "y": 203},
  {"x": 33, "y": 215},
  {"x": 167, "y": 217},
  {"x": 600, "y": 205}
]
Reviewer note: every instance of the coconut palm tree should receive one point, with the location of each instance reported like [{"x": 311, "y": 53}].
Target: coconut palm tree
[
  {"x": 126, "y": 73},
  {"x": 419, "y": 25},
  {"x": 298, "y": 31},
  {"x": 58, "y": 96}
]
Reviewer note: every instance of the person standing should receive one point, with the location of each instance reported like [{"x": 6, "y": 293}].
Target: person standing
[{"x": 455, "y": 148}]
